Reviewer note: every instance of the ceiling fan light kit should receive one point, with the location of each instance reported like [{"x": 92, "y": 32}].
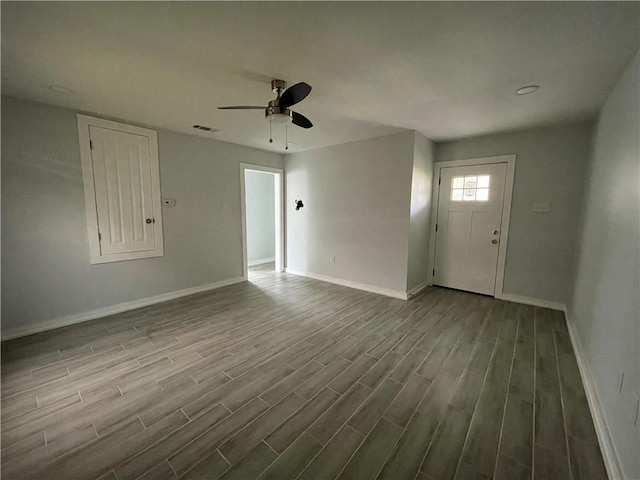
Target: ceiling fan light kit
[{"x": 277, "y": 110}]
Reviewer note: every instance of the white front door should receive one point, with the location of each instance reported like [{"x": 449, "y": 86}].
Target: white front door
[{"x": 468, "y": 226}]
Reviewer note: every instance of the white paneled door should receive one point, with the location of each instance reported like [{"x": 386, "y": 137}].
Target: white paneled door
[
  {"x": 123, "y": 191},
  {"x": 469, "y": 222}
]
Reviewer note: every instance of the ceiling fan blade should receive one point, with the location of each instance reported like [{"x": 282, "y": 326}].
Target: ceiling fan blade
[
  {"x": 294, "y": 94},
  {"x": 242, "y": 107},
  {"x": 300, "y": 120}
]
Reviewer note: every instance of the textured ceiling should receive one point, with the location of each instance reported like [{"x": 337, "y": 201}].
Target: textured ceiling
[{"x": 445, "y": 69}]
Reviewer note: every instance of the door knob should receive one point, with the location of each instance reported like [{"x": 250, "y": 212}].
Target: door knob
[
  {"x": 148, "y": 220},
  {"x": 495, "y": 232},
  {"x": 494, "y": 241}
]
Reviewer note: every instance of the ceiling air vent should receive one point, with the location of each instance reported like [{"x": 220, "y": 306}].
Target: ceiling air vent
[{"x": 206, "y": 129}]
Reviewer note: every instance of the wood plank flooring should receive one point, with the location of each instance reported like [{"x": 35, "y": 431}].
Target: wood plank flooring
[{"x": 285, "y": 377}]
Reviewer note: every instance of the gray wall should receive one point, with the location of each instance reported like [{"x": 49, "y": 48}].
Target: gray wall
[
  {"x": 357, "y": 200},
  {"x": 261, "y": 213},
  {"x": 605, "y": 310},
  {"x": 550, "y": 167},
  {"x": 421, "y": 189},
  {"x": 46, "y": 272}
]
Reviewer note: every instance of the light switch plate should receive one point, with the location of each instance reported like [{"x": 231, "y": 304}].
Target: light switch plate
[{"x": 540, "y": 207}]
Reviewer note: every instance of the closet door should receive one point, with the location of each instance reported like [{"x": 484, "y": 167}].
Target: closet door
[{"x": 122, "y": 192}]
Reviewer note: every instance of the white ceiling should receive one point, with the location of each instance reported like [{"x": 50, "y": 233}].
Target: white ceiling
[{"x": 446, "y": 69}]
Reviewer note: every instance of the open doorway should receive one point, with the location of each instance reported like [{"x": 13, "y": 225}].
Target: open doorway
[{"x": 262, "y": 225}]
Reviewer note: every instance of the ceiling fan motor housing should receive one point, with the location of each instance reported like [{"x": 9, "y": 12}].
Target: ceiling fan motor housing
[{"x": 277, "y": 113}]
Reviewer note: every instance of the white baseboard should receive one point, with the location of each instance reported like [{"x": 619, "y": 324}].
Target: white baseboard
[
  {"x": 348, "y": 283},
  {"x": 418, "y": 288},
  {"x": 609, "y": 455},
  {"x": 261, "y": 261},
  {"x": 106, "y": 311},
  {"x": 536, "y": 302}
]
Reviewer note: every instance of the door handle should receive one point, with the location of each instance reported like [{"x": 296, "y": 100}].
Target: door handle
[{"x": 150, "y": 220}]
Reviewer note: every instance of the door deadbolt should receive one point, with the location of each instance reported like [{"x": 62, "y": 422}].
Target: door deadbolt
[
  {"x": 150, "y": 220},
  {"x": 494, "y": 241},
  {"x": 495, "y": 232}
]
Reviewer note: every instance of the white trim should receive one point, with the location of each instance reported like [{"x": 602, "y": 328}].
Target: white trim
[
  {"x": 510, "y": 160},
  {"x": 418, "y": 288},
  {"x": 278, "y": 174},
  {"x": 536, "y": 302},
  {"x": 261, "y": 261},
  {"x": 609, "y": 455},
  {"x": 106, "y": 311},
  {"x": 95, "y": 255},
  {"x": 347, "y": 283}
]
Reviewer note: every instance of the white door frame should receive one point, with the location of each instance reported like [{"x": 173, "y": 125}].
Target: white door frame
[
  {"x": 279, "y": 196},
  {"x": 510, "y": 160}
]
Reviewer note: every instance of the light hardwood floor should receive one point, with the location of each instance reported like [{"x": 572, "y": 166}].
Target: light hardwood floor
[{"x": 286, "y": 377}]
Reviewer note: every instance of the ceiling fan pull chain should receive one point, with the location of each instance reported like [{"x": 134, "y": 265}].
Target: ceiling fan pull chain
[
  {"x": 286, "y": 137},
  {"x": 270, "y": 134}
]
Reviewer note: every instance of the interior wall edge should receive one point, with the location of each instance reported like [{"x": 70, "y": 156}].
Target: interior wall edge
[
  {"x": 535, "y": 302},
  {"x": 347, "y": 283},
  {"x": 75, "y": 318},
  {"x": 607, "y": 447},
  {"x": 356, "y": 220},
  {"x": 418, "y": 288}
]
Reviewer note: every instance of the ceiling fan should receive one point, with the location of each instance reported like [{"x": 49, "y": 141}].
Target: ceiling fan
[{"x": 278, "y": 109}]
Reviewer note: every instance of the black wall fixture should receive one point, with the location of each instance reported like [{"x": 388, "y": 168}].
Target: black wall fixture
[{"x": 299, "y": 204}]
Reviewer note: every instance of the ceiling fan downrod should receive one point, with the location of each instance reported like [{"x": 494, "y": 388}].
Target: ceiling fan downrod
[{"x": 278, "y": 86}]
